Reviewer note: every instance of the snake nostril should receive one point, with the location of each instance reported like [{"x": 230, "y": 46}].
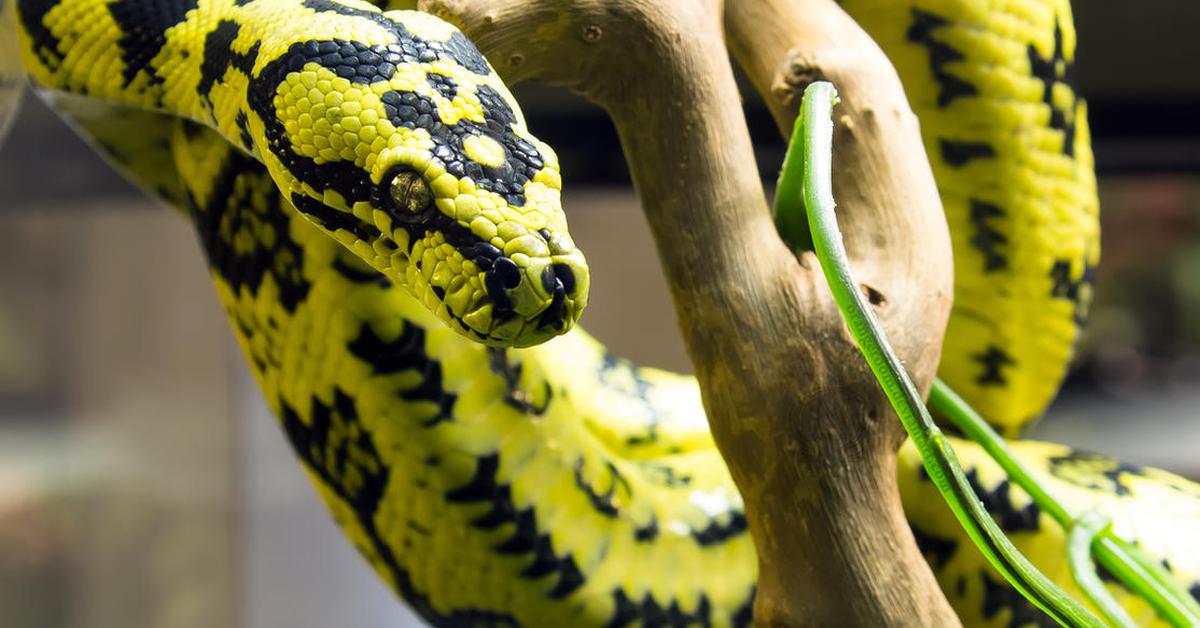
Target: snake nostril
[
  {"x": 565, "y": 276},
  {"x": 507, "y": 272}
]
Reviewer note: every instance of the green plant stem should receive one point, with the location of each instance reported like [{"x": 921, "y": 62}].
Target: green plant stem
[
  {"x": 1079, "y": 555},
  {"x": 1129, "y": 565},
  {"x": 814, "y": 124},
  {"x": 790, "y": 220}
]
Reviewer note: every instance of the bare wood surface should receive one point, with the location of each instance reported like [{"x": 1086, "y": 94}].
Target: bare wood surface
[{"x": 809, "y": 437}]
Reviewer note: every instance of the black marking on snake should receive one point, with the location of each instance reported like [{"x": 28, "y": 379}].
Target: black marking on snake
[
  {"x": 938, "y": 550},
  {"x": 43, "y": 42},
  {"x": 622, "y": 376},
  {"x": 1093, "y": 471},
  {"x": 1064, "y": 287},
  {"x": 252, "y": 207},
  {"x": 558, "y": 280},
  {"x": 666, "y": 475},
  {"x": 442, "y": 84},
  {"x": 648, "y": 532},
  {"x": 353, "y": 269},
  {"x": 407, "y": 353},
  {"x": 144, "y": 27},
  {"x": 544, "y": 561},
  {"x": 605, "y": 503},
  {"x": 484, "y": 254},
  {"x": 333, "y": 219},
  {"x": 648, "y": 612},
  {"x": 418, "y": 528},
  {"x": 999, "y": 596},
  {"x": 324, "y": 446},
  {"x": 716, "y": 532},
  {"x": 525, "y": 539},
  {"x": 993, "y": 360},
  {"x": 335, "y": 447},
  {"x": 940, "y": 54},
  {"x": 458, "y": 48},
  {"x": 522, "y": 160},
  {"x": 514, "y": 395},
  {"x": 1052, "y": 70},
  {"x": 999, "y": 503},
  {"x": 243, "y": 125},
  {"x": 500, "y": 273},
  {"x": 1195, "y": 590},
  {"x": 374, "y": 15},
  {"x": 987, "y": 239},
  {"x": 246, "y": 329},
  {"x": 555, "y": 314},
  {"x": 506, "y": 273},
  {"x": 743, "y": 617},
  {"x": 958, "y": 154},
  {"x": 219, "y": 56},
  {"x": 353, "y": 183},
  {"x": 564, "y": 275}
]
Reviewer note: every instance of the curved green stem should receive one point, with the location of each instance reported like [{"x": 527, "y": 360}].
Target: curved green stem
[
  {"x": 1130, "y": 566},
  {"x": 815, "y": 125},
  {"x": 1083, "y": 534},
  {"x": 790, "y": 220}
]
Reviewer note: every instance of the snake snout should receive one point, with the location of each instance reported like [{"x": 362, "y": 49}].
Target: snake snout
[
  {"x": 558, "y": 281},
  {"x": 538, "y": 299}
]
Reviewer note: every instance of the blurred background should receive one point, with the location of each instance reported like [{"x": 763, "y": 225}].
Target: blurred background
[{"x": 144, "y": 483}]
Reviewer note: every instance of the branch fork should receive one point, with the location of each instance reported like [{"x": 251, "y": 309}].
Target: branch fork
[{"x": 809, "y": 436}]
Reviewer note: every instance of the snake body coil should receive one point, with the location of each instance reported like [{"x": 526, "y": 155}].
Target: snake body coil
[{"x": 383, "y": 232}]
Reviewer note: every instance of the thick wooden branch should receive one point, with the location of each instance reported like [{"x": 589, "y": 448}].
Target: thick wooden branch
[
  {"x": 808, "y": 435},
  {"x": 888, "y": 207}
]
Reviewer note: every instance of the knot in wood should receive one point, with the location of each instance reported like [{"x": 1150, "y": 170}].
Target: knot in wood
[
  {"x": 592, "y": 33},
  {"x": 798, "y": 70}
]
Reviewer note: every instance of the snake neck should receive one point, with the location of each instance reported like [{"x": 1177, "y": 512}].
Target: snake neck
[
  {"x": 553, "y": 482},
  {"x": 144, "y": 50}
]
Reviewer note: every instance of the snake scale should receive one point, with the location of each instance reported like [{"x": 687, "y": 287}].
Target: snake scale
[{"x": 387, "y": 239}]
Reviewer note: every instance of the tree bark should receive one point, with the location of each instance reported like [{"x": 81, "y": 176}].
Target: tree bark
[{"x": 808, "y": 435}]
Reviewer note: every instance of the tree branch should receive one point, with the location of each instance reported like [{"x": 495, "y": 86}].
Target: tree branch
[{"x": 809, "y": 437}]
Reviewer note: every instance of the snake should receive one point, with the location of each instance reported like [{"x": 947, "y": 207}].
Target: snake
[{"x": 388, "y": 241}]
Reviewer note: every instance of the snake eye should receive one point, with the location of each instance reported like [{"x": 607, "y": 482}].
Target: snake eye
[{"x": 409, "y": 193}]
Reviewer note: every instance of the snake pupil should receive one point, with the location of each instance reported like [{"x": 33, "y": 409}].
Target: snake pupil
[{"x": 409, "y": 193}]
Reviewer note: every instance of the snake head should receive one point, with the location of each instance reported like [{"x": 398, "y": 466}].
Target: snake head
[{"x": 410, "y": 150}]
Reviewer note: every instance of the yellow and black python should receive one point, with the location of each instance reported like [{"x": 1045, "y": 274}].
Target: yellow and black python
[{"x": 384, "y": 234}]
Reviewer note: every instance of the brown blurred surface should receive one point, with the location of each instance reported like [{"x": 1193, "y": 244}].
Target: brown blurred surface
[{"x": 116, "y": 474}]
